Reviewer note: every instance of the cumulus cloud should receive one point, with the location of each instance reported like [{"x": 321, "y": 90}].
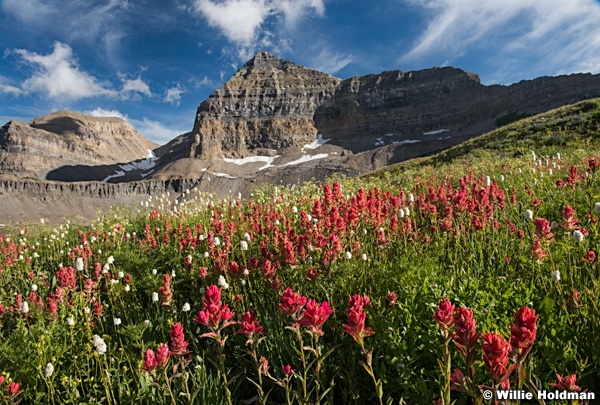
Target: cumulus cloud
[
  {"x": 249, "y": 24},
  {"x": 133, "y": 86},
  {"x": 58, "y": 75},
  {"x": 554, "y": 35},
  {"x": 173, "y": 95}
]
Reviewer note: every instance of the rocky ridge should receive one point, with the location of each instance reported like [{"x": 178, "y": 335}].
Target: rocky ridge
[{"x": 66, "y": 138}]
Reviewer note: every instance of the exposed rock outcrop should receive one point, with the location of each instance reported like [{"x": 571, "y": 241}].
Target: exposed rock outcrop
[
  {"x": 67, "y": 138},
  {"x": 397, "y": 106},
  {"x": 268, "y": 104}
]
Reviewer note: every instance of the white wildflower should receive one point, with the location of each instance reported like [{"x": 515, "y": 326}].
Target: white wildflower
[
  {"x": 99, "y": 344},
  {"x": 70, "y": 321},
  {"x": 206, "y": 255},
  {"x": 105, "y": 268},
  {"x": 154, "y": 271},
  {"x": 79, "y": 264},
  {"x": 24, "y": 307},
  {"x": 488, "y": 181},
  {"x": 243, "y": 245},
  {"x": 49, "y": 370},
  {"x": 34, "y": 287},
  {"x": 578, "y": 236},
  {"x": 117, "y": 321},
  {"x": 556, "y": 275},
  {"x": 295, "y": 209},
  {"x": 501, "y": 177},
  {"x": 110, "y": 259},
  {"x": 114, "y": 281},
  {"x": 348, "y": 255},
  {"x": 597, "y": 207},
  {"x": 247, "y": 237},
  {"x": 186, "y": 307},
  {"x": 202, "y": 290},
  {"x": 364, "y": 257},
  {"x": 216, "y": 241},
  {"x": 147, "y": 322},
  {"x": 246, "y": 272},
  {"x": 127, "y": 288},
  {"x": 86, "y": 310},
  {"x": 154, "y": 297},
  {"x": 407, "y": 211},
  {"x": 529, "y": 215},
  {"x": 411, "y": 197},
  {"x": 554, "y": 225},
  {"x": 401, "y": 213},
  {"x": 120, "y": 274},
  {"x": 221, "y": 282}
]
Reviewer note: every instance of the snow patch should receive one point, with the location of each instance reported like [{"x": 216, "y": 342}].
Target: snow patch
[
  {"x": 307, "y": 158},
  {"x": 251, "y": 159},
  {"x": 406, "y": 141},
  {"x": 229, "y": 176},
  {"x": 315, "y": 144},
  {"x": 119, "y": 173},
  {"x": 438, "y": 131},
  {"x": 379, "y": 142}
]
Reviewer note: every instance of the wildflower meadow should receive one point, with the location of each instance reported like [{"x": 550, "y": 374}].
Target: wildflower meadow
[{"x": 432, "y": 283}]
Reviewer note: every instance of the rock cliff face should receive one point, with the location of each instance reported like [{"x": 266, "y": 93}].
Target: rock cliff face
[
  {"x": 67, "y": 138},
  {"x": 397, "y": 106},
  {"x": 268, "y": 104}
]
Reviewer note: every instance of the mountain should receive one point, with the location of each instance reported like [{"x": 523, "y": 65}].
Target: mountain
[
  {"x": 272, "y": 122},
  {"x": 64, "y": 139}
]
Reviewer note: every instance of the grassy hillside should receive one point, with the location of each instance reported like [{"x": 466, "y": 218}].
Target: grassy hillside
[{"x": 434, "y": 280}]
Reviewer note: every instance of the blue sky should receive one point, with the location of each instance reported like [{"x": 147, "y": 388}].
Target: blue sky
[{"x": 153, "y": 62}]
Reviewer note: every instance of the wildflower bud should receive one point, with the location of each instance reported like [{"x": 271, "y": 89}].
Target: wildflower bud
[
  {"x": 287, "y": 370},
  {"x": 391, "y": 298},
  {"x": 444, "y": 316},
  {"x": 264, "y": 366}
]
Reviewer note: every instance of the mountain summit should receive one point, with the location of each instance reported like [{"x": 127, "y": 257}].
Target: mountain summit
[{"x": 268, "y": 104}]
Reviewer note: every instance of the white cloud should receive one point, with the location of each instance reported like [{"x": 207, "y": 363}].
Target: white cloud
[
  {"x": 132, "y": 86},
  {"x": 173, "y": 95},
  {"x": 552, "y": 36},
  {"x": 331, "y": 61},
  {"x": 245, "y": 22},
  {"x": 58, "y": 75},
  {"x": 101, "y": 112},
  {"x": 91, "y": 21},
  {"x": 9, "y": 88}
]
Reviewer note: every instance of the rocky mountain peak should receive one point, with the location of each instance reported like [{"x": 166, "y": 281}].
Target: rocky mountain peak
[{"x": 267, "y": 104}]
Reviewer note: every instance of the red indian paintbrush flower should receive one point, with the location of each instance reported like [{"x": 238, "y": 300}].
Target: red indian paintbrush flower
[
  {"x": 249, "y": 325},
  {"x": 178, "y": 343},
  {"x": 314, "y": 315},
  {"x": 567, "y": 383},
  {"x": 523, "y": 332},
  {"x": 495, "y": 356},
  {"x": 464, "y": 335},
  {"x": 213, "y": 311},
  {"x": 14, "y": 389},
  {"x": 291, "y": 302},
  {"x": 162, "y": 355},
  {"x": 150, "y": 363},
  {"x": 165, "y": 292},
  {"x": 444, "y": 316},
  {"x": 356, "y": 318},
  {"x": 66, "y": 277}
]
